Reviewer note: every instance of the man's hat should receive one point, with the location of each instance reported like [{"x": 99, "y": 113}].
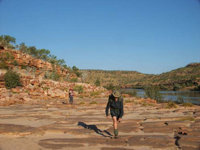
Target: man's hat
[{"x": 116, "y": 94}]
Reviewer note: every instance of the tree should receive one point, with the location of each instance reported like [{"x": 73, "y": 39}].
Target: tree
[
  {"x": 76, "y": 71},
  {"x": 97, "y": 82},
  {"x": 66, "y": 67},
  {"x": 74, "y": 68},
  {"x": 153, "y": 92},
  {"x": 33, "y": 51},
  {"x": 52, "y": 59},
  {"x": 6, "y": 41},
  {"x": 23, "y": 48},
  {"x": 43, "y": 54},
  {"x": 61, "y": 62}
]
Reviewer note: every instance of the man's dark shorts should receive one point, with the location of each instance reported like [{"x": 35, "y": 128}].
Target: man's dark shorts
[{"x": 115, "y": 112}]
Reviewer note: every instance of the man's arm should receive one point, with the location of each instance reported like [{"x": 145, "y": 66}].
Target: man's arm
[
  {"x": 121, "y": 109},
  {"x": 107, "y": 107}
]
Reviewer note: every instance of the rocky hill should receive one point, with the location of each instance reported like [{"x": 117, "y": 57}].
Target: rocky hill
[
  {"x": 41, "y": 80},
  {"x": 185, "y": 78},
  {"x": 113, "y": 78}
]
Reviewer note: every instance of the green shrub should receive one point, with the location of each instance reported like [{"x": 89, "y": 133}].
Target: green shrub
[
  {"x": 74, "y": 79},
  {"x": 180, "y": 99},
  {"x": 9, "y": 56},
  {"x": 3, "y": 65},
  {"x": 153, "y": 92},
  {"x": 93, "y": 102},
  {"x": 33, "y": 69},
  {"x": 4, "y": 59},
  {"x": 187, "y": 104},
  {"x": 94, "y": 93},
  {"x": 15, "y": 63},
  {"x": 188, "y": 118},
  {"x": 54, "y": 76},
  {"x": 177, "y": 87},
  {"x": 76, "y": 71},
  {"x": 171, "y": 105},
  {"x": 6, "y": 56},
  {"x": 97, "y": 82},
  {"x": 23, "y": 66},
  {"x": 12, "y": 79},
  {"x": 81, "y": 103},
  {"x": 78, "y": 74},
  {"x": 45, "y": 88},
  {"x": 78, "y": 88},
  {"x": 144, "y": 104},
  {"x": 81, "y": 96}
]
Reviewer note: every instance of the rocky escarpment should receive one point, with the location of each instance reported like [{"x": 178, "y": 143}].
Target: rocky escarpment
[
  {"x": 35, "y": 85},
  {"x": 35, "y": 90},
  {"x": 17, "y": 59}
]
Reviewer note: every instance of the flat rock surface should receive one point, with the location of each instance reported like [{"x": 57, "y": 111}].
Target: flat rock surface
[{"x": 82, "y": 126}]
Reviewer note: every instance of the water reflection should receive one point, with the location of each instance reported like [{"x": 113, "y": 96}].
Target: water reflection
[{"x": 186, "y": 96}]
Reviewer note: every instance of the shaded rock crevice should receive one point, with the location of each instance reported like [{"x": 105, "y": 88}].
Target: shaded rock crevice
[{"x": 177, "y": 138}]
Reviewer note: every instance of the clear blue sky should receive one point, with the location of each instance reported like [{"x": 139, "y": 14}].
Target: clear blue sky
[{"x": 149, "y": 36}]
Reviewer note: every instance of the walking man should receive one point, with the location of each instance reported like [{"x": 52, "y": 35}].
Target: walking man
[{"x": 115, "y": 104}]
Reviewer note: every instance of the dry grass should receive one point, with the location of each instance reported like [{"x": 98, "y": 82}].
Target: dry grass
[
  {"x": 81, "y": 103},
  {"x": 93, "y": 102},
  {"x": 188, "y": 118},
  {"x": 171, "y": 105},
  {"x": 187, "y": 105}
]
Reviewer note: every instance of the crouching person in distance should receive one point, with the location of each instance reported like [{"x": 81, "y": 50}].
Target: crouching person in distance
[{"x": 115, "y": 104}]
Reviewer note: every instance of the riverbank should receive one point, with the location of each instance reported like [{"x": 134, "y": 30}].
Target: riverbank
[{"x": 56, "y": 125}]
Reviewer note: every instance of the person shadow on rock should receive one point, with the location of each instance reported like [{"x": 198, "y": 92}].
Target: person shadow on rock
[{"x": 95, "y": 129}]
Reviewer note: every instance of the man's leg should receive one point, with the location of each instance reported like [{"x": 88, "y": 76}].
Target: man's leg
[{"x": 115, "y": 126}]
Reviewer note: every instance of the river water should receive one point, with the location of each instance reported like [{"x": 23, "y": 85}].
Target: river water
[{"x": 187, "y": 96}]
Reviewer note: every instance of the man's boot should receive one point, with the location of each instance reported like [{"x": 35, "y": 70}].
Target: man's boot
[{"x": 116, "y": 133}]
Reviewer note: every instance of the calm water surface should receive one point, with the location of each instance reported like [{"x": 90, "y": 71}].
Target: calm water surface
[{"x": 186, "y": 96}]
